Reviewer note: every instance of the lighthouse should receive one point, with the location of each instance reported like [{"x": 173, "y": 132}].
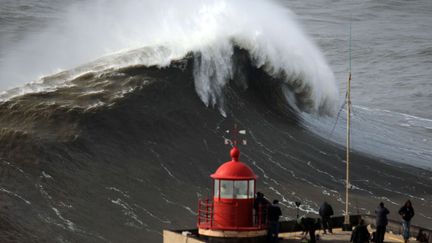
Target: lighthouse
[{"x": 231, "y": 213}]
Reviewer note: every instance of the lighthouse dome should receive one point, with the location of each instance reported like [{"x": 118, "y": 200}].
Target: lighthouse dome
[{"x": 234, "y": 169}]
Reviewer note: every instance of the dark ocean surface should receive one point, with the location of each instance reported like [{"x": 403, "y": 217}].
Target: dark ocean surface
[{"x": 112, "y": 139}]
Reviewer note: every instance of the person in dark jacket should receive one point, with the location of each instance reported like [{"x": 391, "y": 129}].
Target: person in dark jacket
[
  {"x": 360, "y": 233},
  {"x": 309, "y": 225},
  {"x": 326, "y": 211},
  {"x": 261, "y": 206},
  {"x": 381, "y": 222},
  {"x": 274, "y": 212},
  {"x": 407, "y": 212}
]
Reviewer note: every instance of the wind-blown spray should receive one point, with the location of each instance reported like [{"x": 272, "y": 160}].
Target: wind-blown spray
[{"x": 156, "y": 32}]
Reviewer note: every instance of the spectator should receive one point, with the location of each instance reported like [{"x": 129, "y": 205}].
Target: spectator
[
  {"x": 309, "y": 225},
  {"x": 326, "y": 211},
  {"x": 407, "y": 212},
  {"x": 274, "y": 212},
  {"x": 360, "y": 233},
  {"x": 381, "y": 222}
]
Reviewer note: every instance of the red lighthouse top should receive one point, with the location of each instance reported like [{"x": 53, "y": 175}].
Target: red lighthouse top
[{"x": 234, "y": 169}]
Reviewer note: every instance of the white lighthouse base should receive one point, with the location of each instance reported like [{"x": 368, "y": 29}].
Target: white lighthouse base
[{"x": 232, "y": 233}]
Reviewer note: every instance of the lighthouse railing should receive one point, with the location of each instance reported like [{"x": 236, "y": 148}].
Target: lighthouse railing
[
  {"x": 205, "y": 217},
  {"x": 205, "y": 213}
]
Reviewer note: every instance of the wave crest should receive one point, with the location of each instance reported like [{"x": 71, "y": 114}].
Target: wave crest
[{"x": 170, "y": 30}]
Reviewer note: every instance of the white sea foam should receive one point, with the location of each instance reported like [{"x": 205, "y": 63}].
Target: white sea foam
[
  {"x": 309, "y": 163},
  {"x": 164, "y": 197},
  {"x": 155, "y": 32},
  {"x": 46, "y": 175},
  {"x": 69, "y": 224},
  {"x": 14, "y": 166},
  {"x": 124, "y": 194},
  {"x": 166, "y": 169},
  {"x": 43, "y": 192},
  {"x": 189, "y": 210},
  {"x": 15, "y": 195},
  {"x": 130, "y": 213},
  {"x": 158, "y": 218}
]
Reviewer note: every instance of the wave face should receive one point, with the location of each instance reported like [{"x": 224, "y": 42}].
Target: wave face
[
  {"x": 119, "y": 154},
  {"x": 155, "y": 33}
]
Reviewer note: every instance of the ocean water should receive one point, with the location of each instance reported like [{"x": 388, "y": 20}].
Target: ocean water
[
  {"x": 390, "y": 50},
  {"x": 113, "y": 113},
  {"x": 391, "y": 90}
]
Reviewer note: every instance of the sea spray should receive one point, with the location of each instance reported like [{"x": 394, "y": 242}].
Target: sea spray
[{"x": 155, "y": 33}]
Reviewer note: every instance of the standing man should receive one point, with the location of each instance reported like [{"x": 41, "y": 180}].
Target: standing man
[
  {"x": 274, "y": 212},
  {"x": 407, "y": 212},
  {"x": 326, "y": 211},
  {"x": 381, "y": 222}
]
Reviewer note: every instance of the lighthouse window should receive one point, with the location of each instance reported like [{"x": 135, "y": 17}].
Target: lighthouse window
[
  {"x": 226, "y": 189},
  {"x": 216, "y": 188},
  {"x": 240, "y": 189},
  {"x": 251, "y": 188}
]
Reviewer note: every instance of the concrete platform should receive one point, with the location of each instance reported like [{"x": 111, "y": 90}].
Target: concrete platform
[
  {"x": 290, "y": 232},
  {"x": 338, "y": 236}
]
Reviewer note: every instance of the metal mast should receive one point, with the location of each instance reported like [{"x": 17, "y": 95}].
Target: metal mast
[
  {"x": 348, "y": 116},
  {"x": 347, "y": 183}
]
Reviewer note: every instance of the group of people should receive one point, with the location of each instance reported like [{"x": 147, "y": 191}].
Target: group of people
[
  {"x": 361, "y": 234},
  {"x": 264, "y": 210}
]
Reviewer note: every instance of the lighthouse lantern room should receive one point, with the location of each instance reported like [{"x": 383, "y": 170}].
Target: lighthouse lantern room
[{"x": 231, "y": 212}]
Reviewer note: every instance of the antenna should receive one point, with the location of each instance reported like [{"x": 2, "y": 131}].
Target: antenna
[
  {"x": 235, "y": 134},
  {"x": 350, "y": 38},
  {"x": 347, "y": 99}
]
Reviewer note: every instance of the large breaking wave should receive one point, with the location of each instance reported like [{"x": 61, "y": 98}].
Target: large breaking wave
[{"x": 156, "y": 33}]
